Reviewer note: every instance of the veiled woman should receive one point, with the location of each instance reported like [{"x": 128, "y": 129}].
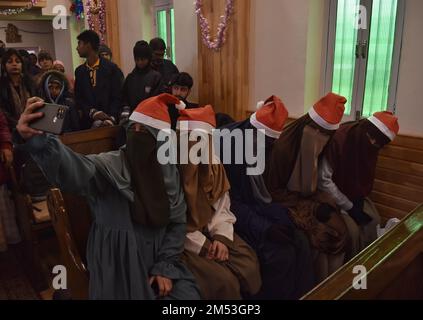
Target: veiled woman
[
  {"x": 347, "y": 172},
  {"x": 283, "y": 250},
  {"x": 292, "y": 178},
  {"x": 224, "y": 266}
]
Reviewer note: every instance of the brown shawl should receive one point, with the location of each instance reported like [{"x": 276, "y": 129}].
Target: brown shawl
[
  {"x": 204, "y": 185},
  {"x": 289, "y": 157},
  {"x": 353, "y": 158},
  {"x": 292, "y": 181}
]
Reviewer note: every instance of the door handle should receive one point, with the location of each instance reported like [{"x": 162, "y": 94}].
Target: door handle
[
  {"x": 358, "y": 49},
  {"x": 364, "y": 49}
]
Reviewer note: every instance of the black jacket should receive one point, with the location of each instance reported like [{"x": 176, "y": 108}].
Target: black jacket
[
  {"x": 167, "y": 70},
  {"x": 139, "y": 86},
  {"x": 106, "y": 96}
]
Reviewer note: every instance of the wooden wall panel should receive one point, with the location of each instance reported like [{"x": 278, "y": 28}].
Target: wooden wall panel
[
  {"x": 399, "y": 177},
  {"x": 224, "y": 75},
  {"x": 112, "y": 22}
]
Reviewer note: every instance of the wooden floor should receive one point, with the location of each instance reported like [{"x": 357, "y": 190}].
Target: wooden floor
[{"x": 16, "y": 281}]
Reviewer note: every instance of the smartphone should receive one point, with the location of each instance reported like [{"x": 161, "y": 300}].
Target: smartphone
[{"x": 53, "y": 119}]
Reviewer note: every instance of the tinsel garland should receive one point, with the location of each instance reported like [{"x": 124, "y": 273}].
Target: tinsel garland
[
  {"x": 77, "y": 8},
  {"x": 10, "y": 12},
  {"x": 216, "y": 44},
  {"x": 97, "y": 8}
]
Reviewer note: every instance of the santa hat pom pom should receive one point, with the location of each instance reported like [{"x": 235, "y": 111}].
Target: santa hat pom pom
[
  {"x": 181, "y": 106},
  {"x": 260, "y": 105}
]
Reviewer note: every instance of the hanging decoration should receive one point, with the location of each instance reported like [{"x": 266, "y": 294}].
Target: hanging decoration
[
  {"x": 77, "y": 8},
  {"x": 10, "y": 12},
  {"x": 96, "y": 15},
  {"x": 216, "y": 44}
]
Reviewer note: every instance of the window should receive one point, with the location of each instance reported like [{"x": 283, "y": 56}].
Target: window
[
  {"x": 165, "y": 25},
  {"x": 364, "y": 46}
]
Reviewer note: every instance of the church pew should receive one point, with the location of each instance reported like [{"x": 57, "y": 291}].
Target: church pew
[
  {"x": 394, "y": 265},
  {"x": 71, "y": 216}
]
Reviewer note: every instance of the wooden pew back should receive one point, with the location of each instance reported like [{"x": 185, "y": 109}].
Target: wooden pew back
[{"x": 398, "y": 187}]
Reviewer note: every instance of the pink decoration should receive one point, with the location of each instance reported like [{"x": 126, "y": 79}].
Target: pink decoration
[
  {"x": 97, "y": 8},
  {"x": 216, "y": 44},
  {"x": 10, "y": 12}
]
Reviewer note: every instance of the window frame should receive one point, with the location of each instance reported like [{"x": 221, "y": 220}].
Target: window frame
[
  {"x": 361, "y": 64},
  {"x": 164, "y": 5}
]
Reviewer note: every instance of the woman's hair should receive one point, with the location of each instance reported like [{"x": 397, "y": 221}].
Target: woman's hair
[
  {"x": 7, "y": 55},
  {"x": 5, "y": 97}
]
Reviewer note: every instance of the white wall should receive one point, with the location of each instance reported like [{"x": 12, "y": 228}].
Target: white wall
[
  {"x": 35, "y": 40},
  {"x": 278, "y": 52},
  {"x": 410, "y": 87},
  {"x": 135, "y": 19},
  {"x": 186, "y": 41}
]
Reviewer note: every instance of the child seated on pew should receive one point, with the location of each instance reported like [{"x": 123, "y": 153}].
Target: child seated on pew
[{"x": 9, "y": 233}]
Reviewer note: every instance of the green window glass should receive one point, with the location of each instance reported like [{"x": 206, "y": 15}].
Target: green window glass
[
  {"x": 162, "y": 24},
  {"x": 172, "y": 31},
  {"x": 381, "y": 47},
  {"x": 165, "y": 24},
  {"x": 345, "y": 48}
]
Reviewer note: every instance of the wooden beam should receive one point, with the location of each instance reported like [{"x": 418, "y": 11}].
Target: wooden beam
[
  {"x": 224, "y": 75},
  {"x": 112, "y": 22}
]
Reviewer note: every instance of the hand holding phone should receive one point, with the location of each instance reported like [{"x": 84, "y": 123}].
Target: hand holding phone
[
  {"x": 53, "y": 119},
  {"x": 29, "y": 115}
]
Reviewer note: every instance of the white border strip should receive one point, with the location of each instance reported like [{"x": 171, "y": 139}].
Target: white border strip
[
  {"x": 382, "y": 127},
  {"x": 269, "y": 132},
  {"x": 191, "y": 125},
  {"x": 322, "y": 122},
  {"x": 149, "y": 121}
]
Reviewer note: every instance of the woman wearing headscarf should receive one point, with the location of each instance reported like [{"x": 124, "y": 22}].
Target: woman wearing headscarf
[
  {"x": 283, "y": 250},
  {"x": 347, "y": 172},
  {"x": 292, "y": 177},
  {"x": 55, "y": 88},
  {"x": 139, "y": 212},
  {"x": 224, "y": 266}
]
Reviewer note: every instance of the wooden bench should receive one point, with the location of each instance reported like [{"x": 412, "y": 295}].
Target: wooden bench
[{"x": 394, "y": 265}]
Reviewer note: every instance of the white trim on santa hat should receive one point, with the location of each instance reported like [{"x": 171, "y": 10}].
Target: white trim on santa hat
[
  {"x": 268, "y": 131},
  {"x": 149, "y": 121},
  {"x": 322, "y": 122},
  {"x": 382, "y": 127},
  {"x": 191, "y": 125}
]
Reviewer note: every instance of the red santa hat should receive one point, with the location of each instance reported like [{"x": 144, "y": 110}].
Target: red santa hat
[
  {"x": 197, "y": 119},
  {"x": 387, "y": 123},
  {"x": 328, "y": 112},
  {"x": 154, "y": 112},
  {"x": 271, "y": 117}
]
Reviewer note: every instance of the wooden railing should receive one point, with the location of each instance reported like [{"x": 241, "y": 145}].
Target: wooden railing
[{"x": 394, "y": 265}]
